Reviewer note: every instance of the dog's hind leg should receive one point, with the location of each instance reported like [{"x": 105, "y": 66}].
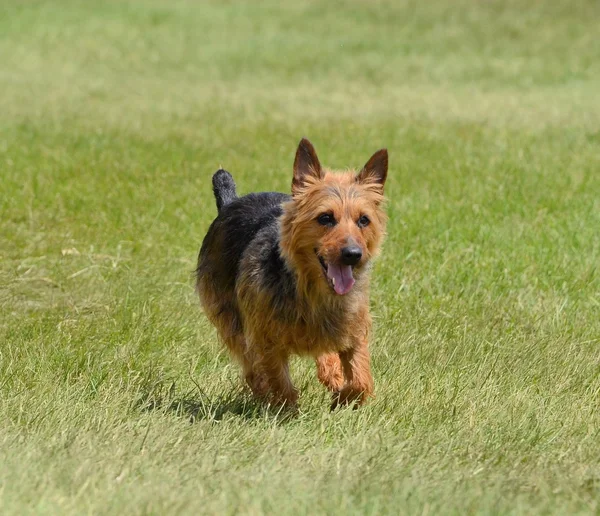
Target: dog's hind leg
[{"x": 329, "y": 371}]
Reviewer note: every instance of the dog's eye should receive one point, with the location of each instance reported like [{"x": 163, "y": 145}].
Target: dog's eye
[
  {"x": 363, "y": 222},
  {"x": 326, "y": 219}
]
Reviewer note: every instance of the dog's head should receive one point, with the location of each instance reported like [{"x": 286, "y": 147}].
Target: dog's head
[{"x": 334, "y": 224}]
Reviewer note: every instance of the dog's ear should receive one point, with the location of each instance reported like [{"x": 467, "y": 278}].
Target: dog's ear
[
  {"x": 306, "y": 165},
  {"x": 375, "y": 171}
]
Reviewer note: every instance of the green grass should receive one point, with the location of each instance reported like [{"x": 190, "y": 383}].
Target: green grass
[{"x": 115, "y": 397}]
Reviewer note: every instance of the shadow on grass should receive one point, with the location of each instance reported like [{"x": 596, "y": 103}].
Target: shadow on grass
[{"x": 197, "y": 405}]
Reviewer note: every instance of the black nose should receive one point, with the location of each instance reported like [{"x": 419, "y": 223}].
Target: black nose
[{"x": 351, "y": 255}]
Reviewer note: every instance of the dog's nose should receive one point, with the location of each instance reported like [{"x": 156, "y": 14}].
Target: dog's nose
[{"x": 351, "y": 255}]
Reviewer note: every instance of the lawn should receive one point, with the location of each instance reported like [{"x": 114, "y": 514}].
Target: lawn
[{"x": 115, "y": 396}]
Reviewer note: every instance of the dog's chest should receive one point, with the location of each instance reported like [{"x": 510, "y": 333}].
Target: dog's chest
[{"x": 320, "y": 333}]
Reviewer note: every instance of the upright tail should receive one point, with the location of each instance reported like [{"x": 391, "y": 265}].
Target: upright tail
[{"x": 223, "y": 188}]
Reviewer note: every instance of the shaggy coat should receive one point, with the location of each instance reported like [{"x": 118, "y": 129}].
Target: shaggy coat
[{"x": 289, "y": 274}]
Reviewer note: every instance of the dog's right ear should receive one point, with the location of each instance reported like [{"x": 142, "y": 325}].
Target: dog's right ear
[
  {"x": 306, "y": 165},
  {"x": 376, "y": 169}
]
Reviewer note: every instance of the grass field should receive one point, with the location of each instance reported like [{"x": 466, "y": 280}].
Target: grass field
[{"x": 115, "y": 397}]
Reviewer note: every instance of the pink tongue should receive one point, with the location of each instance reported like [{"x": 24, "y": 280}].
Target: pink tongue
[{"x": 342, "y": 276}]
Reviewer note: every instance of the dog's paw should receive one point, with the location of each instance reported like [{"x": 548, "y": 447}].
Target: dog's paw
[{"x": 346, "y": 397}]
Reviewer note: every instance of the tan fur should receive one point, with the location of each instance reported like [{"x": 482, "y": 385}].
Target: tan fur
[{"x": 265, "y": 342}]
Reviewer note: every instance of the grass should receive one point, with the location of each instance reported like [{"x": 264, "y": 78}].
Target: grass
[{"x": 115, "y": 396}]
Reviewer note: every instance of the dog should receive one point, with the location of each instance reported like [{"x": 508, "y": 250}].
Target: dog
[{"x": 286, "y": 274}]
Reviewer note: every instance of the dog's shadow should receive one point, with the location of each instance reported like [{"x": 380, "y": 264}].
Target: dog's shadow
[{"x": 197, "y": 405}]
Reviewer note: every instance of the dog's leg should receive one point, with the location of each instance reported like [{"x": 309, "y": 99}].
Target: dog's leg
[
  {"x": 254, "y": 376},
  {"x": 329, "y": 371},
  {"x": 236, "y": 344},
  {"x": 356, "y": 363},
  {"x": 276, "y": 370}
]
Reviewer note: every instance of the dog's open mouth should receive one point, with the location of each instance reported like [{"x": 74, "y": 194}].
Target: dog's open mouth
[{"x": 339, "y": 277}]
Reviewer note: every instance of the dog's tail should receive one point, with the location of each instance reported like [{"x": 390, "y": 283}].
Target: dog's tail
[{"x": 223, "y": 188}]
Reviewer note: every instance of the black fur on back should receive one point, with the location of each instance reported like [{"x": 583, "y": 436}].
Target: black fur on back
[{"x": 236, "y": 226}]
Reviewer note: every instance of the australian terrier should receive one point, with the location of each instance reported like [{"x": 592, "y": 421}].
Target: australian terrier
[{"x": 280, "y": 275}]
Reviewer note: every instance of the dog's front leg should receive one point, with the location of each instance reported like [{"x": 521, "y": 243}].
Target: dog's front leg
[
  {"x": 356, "y": 363},
  {"x": 329, "y": 371},
  {"x": 275, "y": 369}
]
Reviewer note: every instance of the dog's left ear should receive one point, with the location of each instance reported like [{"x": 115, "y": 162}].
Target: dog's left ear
[
  {"x": 375, "y": 171},
  {"x": 306, "y": 165}
]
